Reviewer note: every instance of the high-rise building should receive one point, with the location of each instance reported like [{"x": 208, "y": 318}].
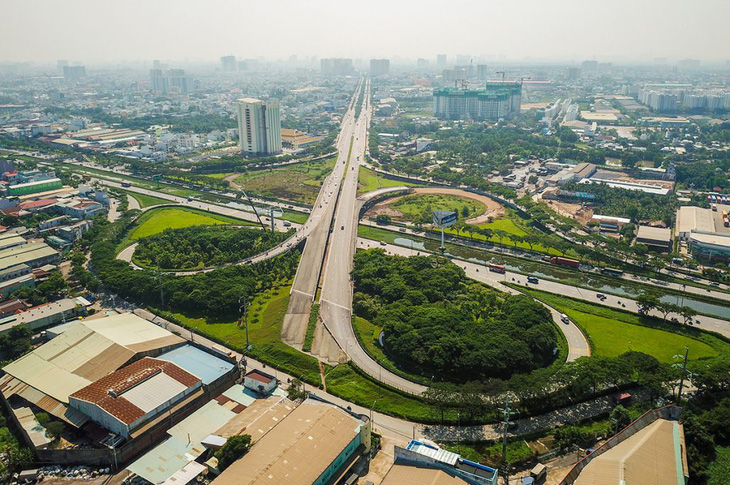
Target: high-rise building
[
  {"x": 482, "y": 72},
  {"x": 259, "y": 127},
  {"x": 74, "y": 73},
  {"x": 157, "y": 64},
  {"x": 228, "y": 63},
  {"x": 379, "y": 67},
  {"x": 337, "y": 67},
  {"x": 422, "y": 63},
  {"x": 589, "y": 65},
  {"x": 60, "y": 64},
  {"x": 497, "y": 100},
  {"x": 441, "y": 60},
  {"x": 572, "y": 73},
  {"x": 456, "y": 74},
  {"x": 170, "y": 81}
]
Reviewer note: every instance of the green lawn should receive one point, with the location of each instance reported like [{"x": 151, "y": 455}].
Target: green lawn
[
  {"x": 147, "y": 200},
  {"x": 368, "y": 180},
  {"x": 265, "y": 318},
  {"x": 298, "y": 182},
  {"x": 413, "y": 206},
  {"x": 346, "y": 383},
  {"x": 157, "y": 220},
  {"x": 612, "y": 332},
  {"x": 217, "y": 175}
]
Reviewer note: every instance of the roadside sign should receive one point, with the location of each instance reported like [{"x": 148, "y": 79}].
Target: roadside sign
[{"x": 443, "y": 219}]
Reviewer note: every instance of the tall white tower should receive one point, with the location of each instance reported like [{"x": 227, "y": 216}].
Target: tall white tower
[{"x": 259, "y": 126}]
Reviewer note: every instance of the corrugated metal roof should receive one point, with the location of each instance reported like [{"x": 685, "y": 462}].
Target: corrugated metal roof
[
  {"x": 131, "y": 392},
  {"x": 128, "y": 329},
  {"x": 187, "y": 474},
  {"x": 32, "y": 427},
  {"x": 438, "y": 454},
  {"x": 197, "y": 362},
  {"x": 203, "y": 422},
  {"x": 154, "y": 392}
]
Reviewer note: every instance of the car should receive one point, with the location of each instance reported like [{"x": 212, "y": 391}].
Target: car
[
  {"x": 600, "y": 296},
  {"x": 342, "y": 228},
  {"x": 382, "y": 243},
  {"x": 402, "y": 229},
  {"x": 532, "y": 279},
  {"x": 287, "y": 224}
]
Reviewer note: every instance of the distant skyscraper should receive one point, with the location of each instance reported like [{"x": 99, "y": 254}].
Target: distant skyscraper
[
  {"x": 589, "y": 65},
  {"x": 259, "y": 127},
  {"x": 74, "y": 73},
  {"x": 422, "y": 63},
  {"x": 441, "y": 60},
  {"x": 170, "y": 81},
  {"x": 228, "y": 63},
  {"x": 482, "y": 72},
  {"x": 572, "y": 73},
  {"x": 379, "y": 67},
  {"x": 60, "y": 64},
  {"x": 336, "y": 67},
  {"x": 463, "y": 59},
  {"x": 156, "y": 64}
]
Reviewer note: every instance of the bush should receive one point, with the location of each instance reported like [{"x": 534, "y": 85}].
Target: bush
[{"x": 234, "y": 449}]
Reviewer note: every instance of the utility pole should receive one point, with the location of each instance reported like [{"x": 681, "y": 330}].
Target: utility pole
[
  {"x": 684, "y": 371},
  {"x": 505, "y": 425},
  {"x": 271, "y": 216},
  {"x": 243, "y": 310},
  {"x": 162, "y": 291}
]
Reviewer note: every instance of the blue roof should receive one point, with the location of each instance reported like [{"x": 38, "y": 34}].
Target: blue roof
[{"x": 198, "y": 362}]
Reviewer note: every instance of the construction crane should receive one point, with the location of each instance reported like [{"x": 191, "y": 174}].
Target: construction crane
[{"x": 502, "y": 73}]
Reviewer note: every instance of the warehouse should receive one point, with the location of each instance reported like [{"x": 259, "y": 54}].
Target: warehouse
[
  {"x": 84, "y": 353},
  {"x": 33, "y": 254},
  {"x": 710, "y": 246},
  {"x": 35, "y": 187},
  {"x": 656, "y": 238},
  {"x": 691, "y": 218},
  {"x": 125, "y": 400},
  {"x": 46, "y": 314},
  {"x": 312, "y": 445}
]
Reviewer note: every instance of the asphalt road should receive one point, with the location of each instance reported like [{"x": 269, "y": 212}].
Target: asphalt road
[
  {"x": 316, "y": 230},
  {"x": 336, "y": 297}
]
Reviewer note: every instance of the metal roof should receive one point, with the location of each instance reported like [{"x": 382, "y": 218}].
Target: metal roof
[
  {"x": 298, "y": 450},
  {"x": 652, "y": 456},
  {"x": 438, "y": 454},
  {"x": 198, "y": 362},
  {"x": 86, "y": 353},
  {"x": 135, "y": 390}
]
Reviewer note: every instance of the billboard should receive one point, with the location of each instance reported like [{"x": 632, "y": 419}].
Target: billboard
[{"x": 443, "y": 219}]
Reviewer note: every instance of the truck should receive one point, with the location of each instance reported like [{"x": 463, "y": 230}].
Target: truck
[{"x": 565, "y": 261}]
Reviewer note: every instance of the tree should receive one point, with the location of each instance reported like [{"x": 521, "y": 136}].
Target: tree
[
  {"x": 665, "y": 308},
  {"x": 647, "y": 302},
  {"x": 234, "y": 449},
  {"x": 620, "y": 418},
  {"x": 55, "y": 429},
  {"x": 688, "y": 313}
]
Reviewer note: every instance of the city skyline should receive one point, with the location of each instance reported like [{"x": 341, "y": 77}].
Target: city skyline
[{"x": 526, "y": 30}]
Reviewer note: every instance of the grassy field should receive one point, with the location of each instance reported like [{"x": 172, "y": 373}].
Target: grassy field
[
  {"x": 147, "y": 200},
  {"x": 719, "y": 469},
  {"x": 612, "y": 332},
  {"x": 346, "y": 383},
  {"x": 413, "y": 206},
  {"x": 490, "y": 454},
  {"x": 157, "y": 220},
  {"x": 368, "y": 180},
  {"x": 299, "y": 182},
  {"x": 265, "y": 317}
]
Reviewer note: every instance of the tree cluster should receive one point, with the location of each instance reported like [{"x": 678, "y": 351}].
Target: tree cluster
[
  {"x": 435, "y": 318},
  {"x": 203, "y": 246}
]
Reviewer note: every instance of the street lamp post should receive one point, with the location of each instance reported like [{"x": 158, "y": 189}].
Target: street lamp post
[{"x": 372, "y": 423}]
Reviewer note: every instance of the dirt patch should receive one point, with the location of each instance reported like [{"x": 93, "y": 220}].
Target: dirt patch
[
  {"x": 575, "y": 211},
  {"x": 494, "y": 209}
]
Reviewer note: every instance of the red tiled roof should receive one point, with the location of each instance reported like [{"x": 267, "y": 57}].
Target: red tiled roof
[
  {"x": 32, "y": 204},
  {"x": 107, "y": 392},
  {"x": 260, "y": 376}
]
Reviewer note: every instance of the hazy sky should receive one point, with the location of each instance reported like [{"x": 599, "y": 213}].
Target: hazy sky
[{"x": 90, "y": 31}]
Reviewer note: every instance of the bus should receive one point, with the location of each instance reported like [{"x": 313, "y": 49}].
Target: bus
[
  {"x": 496, "y": 268},
  {"x": 612, "y": 272}
]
